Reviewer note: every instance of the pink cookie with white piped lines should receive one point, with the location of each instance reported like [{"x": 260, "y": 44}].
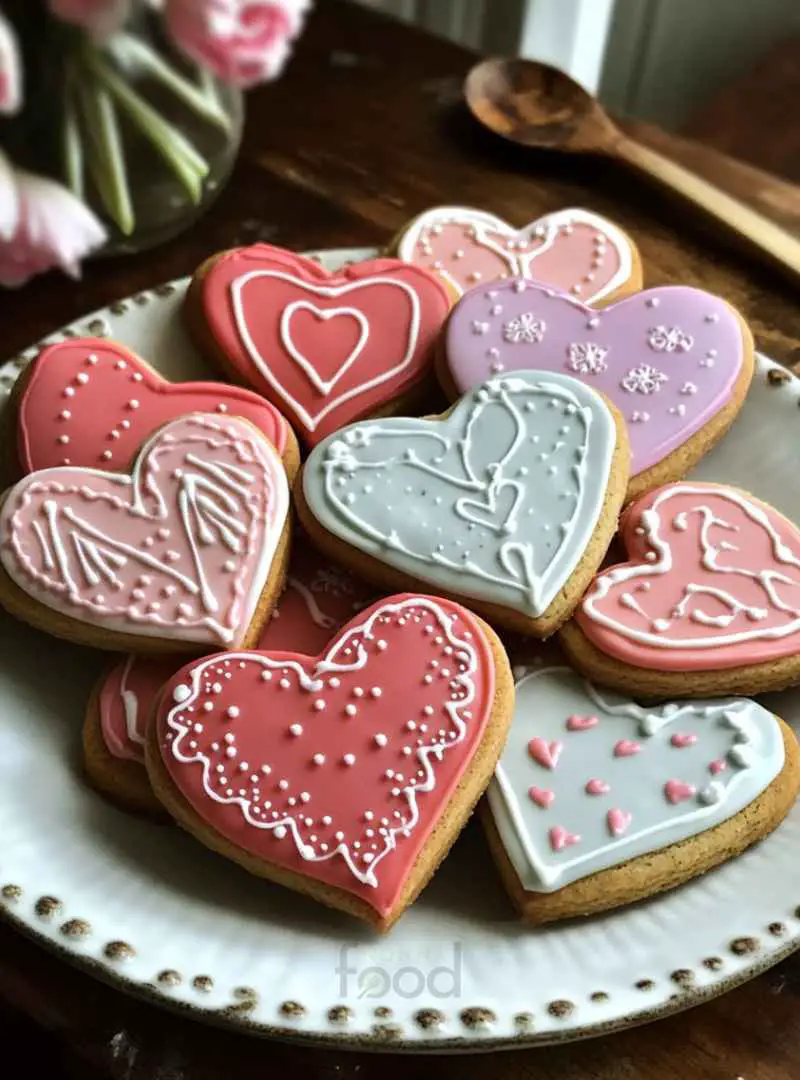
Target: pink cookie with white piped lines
[
  {"x": 676, "y": 361},
  {"x": 575, "y": 251},
  {"x": 598, "y": 801}
]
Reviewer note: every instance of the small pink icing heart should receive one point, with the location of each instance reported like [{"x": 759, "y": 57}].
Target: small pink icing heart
[
  {"x": 683, "y": 738},
  {"x": 626, "y": 748},
  {"x": 717, "y": 766},
  {"x": 597, "y": 787},
  {"x": 541, "y": 796},
  {"x": 618, "y": 821},
  {"x": 677, "y": 791},
  {"x": 561, "y": 838},
  {"x": 545, "y": 753},
  {"x": 582, "y": 723}
]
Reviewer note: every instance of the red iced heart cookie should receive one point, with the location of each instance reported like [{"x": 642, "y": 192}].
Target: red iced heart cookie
[
  {"x": 347, "y": 775},
  {"x": 574, "y": 250},
  {"x": 325, "y": 348},
  {"x": 178, "y": 552},
  {"x": 713, "y": 582},
  {"x": 93, "y": 403}
]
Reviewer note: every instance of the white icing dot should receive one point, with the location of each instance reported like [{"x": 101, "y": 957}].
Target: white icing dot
[
  {"x": 107, "y": 455},
  {"x": 65, "y": 414},
  {"x": 380, "y": 739},
  {"x": 318, "y": 759},
  {"x": 69, "y": 392},
  {"x": 375, "y": 692},
  {"x": 284, "y": 684},
  {"x": 63, "y": 439},
  {"x": 380, "y": 645},
  {"x": 296, "y": 729},
  {"x": 349, "y": 759},
  {"x": 232, "y": 711},
  {"x": 350, "y": 710},
  {"x": 279, "y": 832},
  {"x": 82, "y": 378},
  {"x": 181, "y": 693},
  {"x": 319, "y": 705},
  {"x": 334, "y": 682}
]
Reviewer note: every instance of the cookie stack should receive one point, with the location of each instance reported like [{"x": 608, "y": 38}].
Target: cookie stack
[{"x": 314, "y": 677}]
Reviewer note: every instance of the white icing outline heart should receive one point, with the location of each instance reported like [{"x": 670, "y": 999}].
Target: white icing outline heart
[
  {"x": 324, "y": 386},
  {"x": 312, "y": 422}
]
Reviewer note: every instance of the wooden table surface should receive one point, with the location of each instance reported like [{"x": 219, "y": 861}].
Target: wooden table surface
[{"x": 365, "y": 130}]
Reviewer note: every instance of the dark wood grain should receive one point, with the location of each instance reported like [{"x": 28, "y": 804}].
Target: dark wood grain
[{"x": 365, "y": 130}]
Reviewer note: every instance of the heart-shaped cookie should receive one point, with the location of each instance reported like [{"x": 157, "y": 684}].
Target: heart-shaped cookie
[
  {"x": 675, "y": 361},
  {"x": 574, "y": 250},
  {"x": 499, "y": 501},
  {"x": 92, "y": 403},
  {"x": 346, "y": 775},
  {"x": 713, "y": 583},
  {"x": 179, "y": 552},
  {"x": 617, "y": 809},
  {"x": 318, "y": 599},
  {"x": 326, "y": 348}
]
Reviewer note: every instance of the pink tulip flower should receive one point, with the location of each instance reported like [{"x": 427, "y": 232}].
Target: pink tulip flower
[
  {"x": 244, "y": 42},
  {"x": 51, "y": 228},
  {"x": 10, "y": 69}
]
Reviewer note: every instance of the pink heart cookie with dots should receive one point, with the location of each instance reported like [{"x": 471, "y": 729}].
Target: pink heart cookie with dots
[
  {"x": 92, "y": 403},
  {"x": 575, "y": 251},
  {"x": 337, "y": 773},
  {"x": 669, "y": 358},
  {"x": 180, "y": 550},
  {"x": 712, "y": 583},
  {"x": 325, "y": 348}
]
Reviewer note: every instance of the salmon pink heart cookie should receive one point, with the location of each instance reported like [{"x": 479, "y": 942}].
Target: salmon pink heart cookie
[
  {"x": 594, "y": 843},
  {"x": 326, "y": 348},
  {"x": 186, "y": 550},
  {"x": 711, "y": 591},
  {"x": 675, "y": 361},
  {"x": 91, "y": 403},
  {"x": 574, "y": 250},
  {"x": 346, "y": 775}
]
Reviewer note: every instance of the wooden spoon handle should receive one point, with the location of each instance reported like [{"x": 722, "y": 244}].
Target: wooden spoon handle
[{"x": 780, "y": 246}]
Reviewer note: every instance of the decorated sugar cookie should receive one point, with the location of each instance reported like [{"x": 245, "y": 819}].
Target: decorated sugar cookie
[
  {"x": 187, "y": 550},
  {"x": 325, "y": 348},
  {"x": 676, "y": 361},
  {"x": 574, "y": 251},
  {"x": 509, "y": 500},
  {"x": 92, "y": 403},
  {"x": 346, "y": 775},
  {"x": 709, "y": 599},
  {"x": 319, "y": 598},
  {"x": 598, "y": 802}
]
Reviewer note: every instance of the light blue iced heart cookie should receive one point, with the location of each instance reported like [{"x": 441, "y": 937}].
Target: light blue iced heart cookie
[
  {"x": 496, "y": 502},
  {"x": 589, "y": 781}
]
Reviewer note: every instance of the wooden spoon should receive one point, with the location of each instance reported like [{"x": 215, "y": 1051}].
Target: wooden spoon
[{"x": 537, "y": 105}]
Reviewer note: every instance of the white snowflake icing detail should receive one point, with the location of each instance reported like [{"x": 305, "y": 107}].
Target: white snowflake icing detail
[
  {"x": 644, "y": 379},
  {"x": 669, "y": 339},
  {"x": 525, "y": 328},
  {"x": 689, "y": 388},
  {"x": 587, "y": 358},
  {"x": 639, "y": 417}
]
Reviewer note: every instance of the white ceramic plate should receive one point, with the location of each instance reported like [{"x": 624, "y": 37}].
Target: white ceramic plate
[{"x": 147, "y": 907}]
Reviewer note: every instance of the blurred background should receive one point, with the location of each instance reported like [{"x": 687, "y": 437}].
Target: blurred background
[{"x": 657, "y": 60}]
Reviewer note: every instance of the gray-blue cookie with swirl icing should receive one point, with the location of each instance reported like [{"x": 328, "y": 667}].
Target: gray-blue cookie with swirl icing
[
  {"x": 597, "y": 801},
  {"x": 508, "y": 502}
]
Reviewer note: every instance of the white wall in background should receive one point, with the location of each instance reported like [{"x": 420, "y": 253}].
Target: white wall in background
[{"x": 568, "y": 33}]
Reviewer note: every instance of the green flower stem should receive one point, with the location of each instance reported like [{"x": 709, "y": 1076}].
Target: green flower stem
[
  {"x": 129, "y": 50},
  {"x": 106, "y": 157},
  {"x": 187, "y": 164},
  {"x": 72, "y": 145}
]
